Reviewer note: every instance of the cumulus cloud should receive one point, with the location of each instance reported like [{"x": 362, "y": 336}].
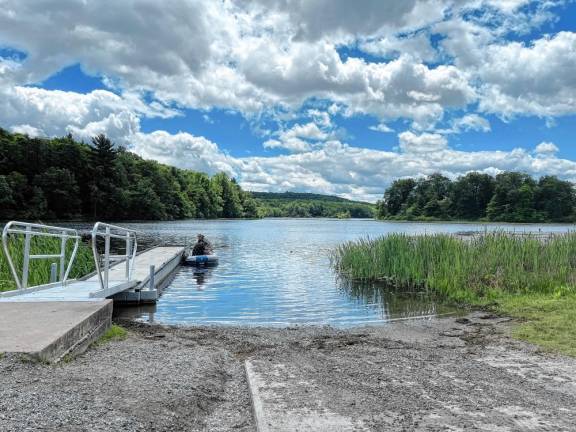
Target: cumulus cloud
[
  {"x": 338, "y": 168},
  {"x": 439, "y": 66},
  {"x": 381, "y": 127},
  {"x": 538, "y": 79},
  {"x": 39, "y": 112},
  {"x": 469, "y": 122},
  {"x": 425, "y": 143},
  {"x": 183, "y": 150},
  {"x": 418, "y": 45},
  {"x": 299, "y": 138},
  {"x": 546, "y": 148},
  {"x": 251, "y": 56}
]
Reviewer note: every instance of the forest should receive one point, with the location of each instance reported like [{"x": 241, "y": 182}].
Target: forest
[
  {"x": 296, "y": 204},
  {"x": 507, "y": 197},
  {"x": 59, "y": 178}
]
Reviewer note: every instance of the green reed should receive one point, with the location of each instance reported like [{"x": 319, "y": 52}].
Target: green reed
[
  {"x": 39, "y": 272},
  {"x": 463, "y": 269}
]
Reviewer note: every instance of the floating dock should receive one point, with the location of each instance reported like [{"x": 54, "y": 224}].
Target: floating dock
[
  {"x": 138, "y": 289},
  {"x": 48, "y": 322}
]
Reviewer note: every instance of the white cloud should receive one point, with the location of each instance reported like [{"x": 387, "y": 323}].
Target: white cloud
[
  {"x": 546, "y": 148},
  {"x": 469, "y": 122},
  {"x": 299, "y": 138},
  {"x": 235, "y": 55},
  {"x": 318, "y": 19},
  {"x": 359, "y": 173},
  {"x": 40, "y": 112},
  {"x": 425, "y": 143},
  {"x": 508, "y": 5},
  {"x": 252, "y": 56},
  {"x": 26, "y": 129},
  {"x": 183, "y": 150},
  {"x": 266, "y": 60},
  {"x": 537, "y": 79},
  {"x": 418, "y": 46},
  {"x": 381, "y": 127}
]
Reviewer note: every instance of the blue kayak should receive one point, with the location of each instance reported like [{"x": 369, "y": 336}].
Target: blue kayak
[{"x": 201, "y": 260}]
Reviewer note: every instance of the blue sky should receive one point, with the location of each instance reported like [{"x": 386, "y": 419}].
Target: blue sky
[{"x": 319, "y": 96}]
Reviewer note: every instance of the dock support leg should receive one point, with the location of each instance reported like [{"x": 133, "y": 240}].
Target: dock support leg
[
  {"x": 152, "y": 282},
  {"x": 53, "y": 272}
]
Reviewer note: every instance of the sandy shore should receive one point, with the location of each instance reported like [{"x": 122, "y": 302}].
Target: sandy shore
[{"x": 441, "y": 374}]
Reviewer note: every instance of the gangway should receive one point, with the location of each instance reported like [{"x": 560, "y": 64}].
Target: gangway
[{"x": 115, "y": 273}]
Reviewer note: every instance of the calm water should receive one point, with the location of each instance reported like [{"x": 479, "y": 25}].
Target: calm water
[{"x": 277, "y": 272}]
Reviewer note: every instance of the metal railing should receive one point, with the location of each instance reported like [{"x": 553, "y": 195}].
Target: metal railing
[
  {"x": 109, "y": 232},
  {"x": 30, "y": 230}
]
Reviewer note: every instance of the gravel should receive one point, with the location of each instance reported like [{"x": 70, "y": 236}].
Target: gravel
[{"x": 441, "y": 374}]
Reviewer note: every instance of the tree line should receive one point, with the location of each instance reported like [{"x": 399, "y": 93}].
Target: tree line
[
  {"x": 61, "y": 178},
  {"x": 314, "y": 209},
  {"x": 507, "y": 197}
]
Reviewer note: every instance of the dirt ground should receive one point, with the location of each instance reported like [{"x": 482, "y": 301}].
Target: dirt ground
[{"x": 441, "y": 374}]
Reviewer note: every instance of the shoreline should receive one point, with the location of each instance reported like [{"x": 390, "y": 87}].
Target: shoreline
[{"x": 415, "y": 375}]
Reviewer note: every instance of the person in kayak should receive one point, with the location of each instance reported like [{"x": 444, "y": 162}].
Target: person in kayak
[{"x": 202, "y": 246}]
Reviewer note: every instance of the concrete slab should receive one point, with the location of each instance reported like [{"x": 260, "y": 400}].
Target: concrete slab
[
  {"x": 47, "y": 331},
  {"x": 284, "y": 402}
]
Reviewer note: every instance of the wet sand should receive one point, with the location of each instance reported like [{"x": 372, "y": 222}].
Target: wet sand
[{"x": 439, "y": 374}]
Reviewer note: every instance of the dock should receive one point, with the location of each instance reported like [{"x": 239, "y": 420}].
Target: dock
[
  {"x": 48, "y": 322},
  {"x": 164, "y": 259}
]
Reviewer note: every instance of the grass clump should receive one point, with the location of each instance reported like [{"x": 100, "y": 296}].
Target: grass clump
[
  {"x": 114, "y": 333},
  {"x": 527, "y": 277},
  {"x": 547, "y": 321},
  {"x": 39, "y": 272},
  {"x": 458, "y": 269}
]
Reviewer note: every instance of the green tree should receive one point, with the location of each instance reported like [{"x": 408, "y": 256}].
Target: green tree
[
  {"x": 513, "y": 199},
  {"x": 226, "y": 189},
  {"x": 144, "y": 202},
  {"x": 430, "y": 197},
  {"x": 60, "y": 191},
  {"x": 470, "y": 196},
  {"x": 249, "y": 206},
  {"x": 37, "y": 206},
  {"x": 7, "y": 202},
  {"x": 395, "y": 198},
  {"x": 555, "y": 199}
]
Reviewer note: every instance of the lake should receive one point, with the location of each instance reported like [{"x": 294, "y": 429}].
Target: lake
[{"x": 276, "y": 272}]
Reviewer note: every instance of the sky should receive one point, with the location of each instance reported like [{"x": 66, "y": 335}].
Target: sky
[{"x": 327, "y": 96}]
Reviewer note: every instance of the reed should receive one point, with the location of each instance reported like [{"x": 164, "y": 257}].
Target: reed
[
  {"x": 40, "y": 269},
  {"x": 463, "y": 269}
]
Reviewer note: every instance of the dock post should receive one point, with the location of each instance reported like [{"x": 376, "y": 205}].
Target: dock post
[
  {"x": 53, "y": 270},
  {"x": 26, "y": 263},
  {"x": 151, "y": 280}
]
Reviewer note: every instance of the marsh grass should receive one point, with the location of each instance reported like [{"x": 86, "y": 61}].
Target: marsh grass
[
  {"x": 40, "y": 269},
  {"x": 463, "y": 269},
  {"x": 526, "y": 277}
]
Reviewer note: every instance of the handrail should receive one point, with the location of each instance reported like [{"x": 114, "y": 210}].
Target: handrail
[
  {"x": 30, "y": 230},
  {"x": 110, "y": 232}
]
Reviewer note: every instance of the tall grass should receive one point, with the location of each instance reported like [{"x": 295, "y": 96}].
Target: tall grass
[
  {"x": 463, "y": 269},
  {"x": 40, "y": 269}
]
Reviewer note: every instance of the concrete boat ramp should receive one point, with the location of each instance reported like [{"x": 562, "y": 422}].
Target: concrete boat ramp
[
  {"x": 285, "y": 402},
  {"x": 50, "y": 321}
]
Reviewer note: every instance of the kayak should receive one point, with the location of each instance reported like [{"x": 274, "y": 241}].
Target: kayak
[{"x": 201, "y": 260}]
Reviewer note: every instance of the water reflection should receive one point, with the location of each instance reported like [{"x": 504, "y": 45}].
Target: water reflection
[{"x": 395, "y": 302}]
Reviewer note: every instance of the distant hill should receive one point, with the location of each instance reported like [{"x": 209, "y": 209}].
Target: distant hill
[{"x": 300, "y": 204}]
